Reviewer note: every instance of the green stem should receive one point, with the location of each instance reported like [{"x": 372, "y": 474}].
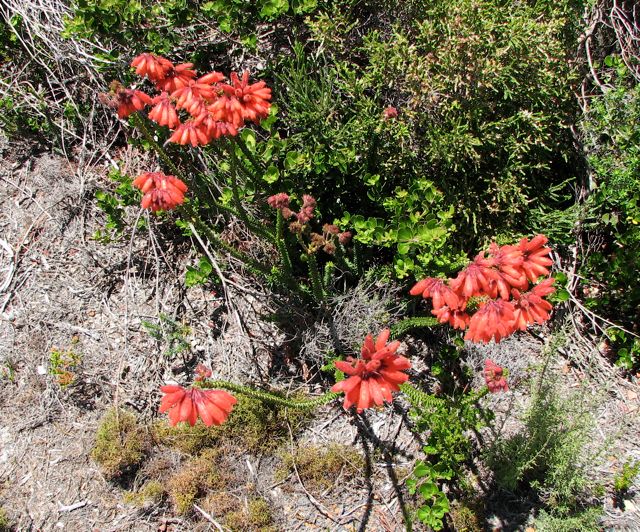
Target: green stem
[
  {"x": 400, "y": 328},
  {"x": 314, "y": 275},
  {"x": 140, "y": 124},
  {"x": 271, "y": 398},
  {"x": 329, "y": 269},
  {"x": 418, "y": 397},
  {"x": 282, "y": 246},
  {"x": 247, "y": 153}
]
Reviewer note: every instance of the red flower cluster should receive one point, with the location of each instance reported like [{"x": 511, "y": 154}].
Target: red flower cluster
[
  {"x": 161, "y": 192},
  {"x": 494, "y": 377},
  {"x": 212, "y": 406},
  {"x": 372, "y": 378},
  {"x": 211, "y": 108},
  {"x": 497, "y": 278}
]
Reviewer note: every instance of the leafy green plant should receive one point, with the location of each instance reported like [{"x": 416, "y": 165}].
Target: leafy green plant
[
  {"x": 64, "y": 366},
  {"x": 549, "y": 454},
  {"x": 114, "y": 206},
  {"x": 623, "y": 480},
  {"x": 169, "y": 332}
]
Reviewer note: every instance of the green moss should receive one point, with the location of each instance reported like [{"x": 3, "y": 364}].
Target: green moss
[
  {"x": 197, "y": 476},
  {"x": 467, "y": 515},
  {"x": 4, "y": 521},
  {"x": 120, "y": 443},
  {"x": 319, "y": 467},
  {"x": 185, "y": 438},
  {"x": 255, "y": 517},
  {"x": 252, "y": 425},
  {"x": 151, "y": 492}
]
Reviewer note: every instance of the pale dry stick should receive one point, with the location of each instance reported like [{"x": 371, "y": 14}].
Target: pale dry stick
[
  {"x": 223, "y": 280},
  {"x": 125, "y": 350},
  {"x": 209, "y": 518}
]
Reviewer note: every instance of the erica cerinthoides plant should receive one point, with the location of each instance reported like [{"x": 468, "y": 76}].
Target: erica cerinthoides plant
[
  {"x": 496, "y": 285},
  {"x": 372, "y": 378}
]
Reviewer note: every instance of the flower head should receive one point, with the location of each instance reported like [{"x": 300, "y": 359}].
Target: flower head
[
  {"x": 494, "y": 319},
  {"x": 439, "y": 292},
  {"x": 458, "y": 319},
  {"x": 373, "y": 377},
  {"x": 190, "y": 132},
  {"x": 476, "y": 278},
  {"x": 161, "y": 192},
  {"x": 252, "y": 100},
  {"x": 129, "y": 101},
  {"x": 494, "y": 377},
  {"x": 163, "y": 112},
  {"x": 212, "y": 406},
  {"x": 535, "y": 257},
  {"x": 176, "y": 77},
  {"x": 279, "y": 201},
  {"x": 529, "y": 307},
  {"x": 389, "y": 113},
  {"x": 153, "y": 66}
]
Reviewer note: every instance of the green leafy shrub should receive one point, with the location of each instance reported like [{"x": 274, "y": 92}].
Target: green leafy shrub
[
  {"x": 120, "y": 443},
  {"x": 612, "y": 267},
  {"x": 548, "y": 455}
]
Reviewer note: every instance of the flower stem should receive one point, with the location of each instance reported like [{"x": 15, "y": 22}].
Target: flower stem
[
  {"x": 239, "y": 141},
  {"x": 314, "y": 275},
  {"x": 400, "y": 328},
  {"x": 271, "y": 398},
  {"x": 418, "y": 397},
  {"x": 282, "y": 246}
]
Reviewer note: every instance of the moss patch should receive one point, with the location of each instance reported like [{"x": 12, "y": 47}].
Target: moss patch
[
  {"x": 319, "y": 467},
  {"x": 120, "y": 443},
  {"x": 150, "y": 493},
  {"x": 4, "y": 521},
  {"x": 253, "y": 426},
  {"x": 208, "y": 471},
  {"x": 255, "y": 517}
]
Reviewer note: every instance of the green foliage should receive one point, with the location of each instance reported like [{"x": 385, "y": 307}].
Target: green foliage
[
  {"x": 120, "y": 443},
  {"x": 611, "y": 270},
  {"x": 199, "y": 274},
  {"x": 548, "y": 455},
  {"x": 5, "y": 524},
  {"x": 154, "y": 26},
  {"x": 447, "y": 448},
  {"x": 623, "y": 481},
  {"x": 584, "y": 521},
  {"x": 113, "y": 205},
  {"x": 169, "y": 332},
  {"x": 64, "y": 366},
  {"x": 255, "y": 517}
]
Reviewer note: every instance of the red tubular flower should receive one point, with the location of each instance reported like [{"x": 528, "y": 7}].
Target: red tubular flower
[
  {"x": 176, "y": 77},
  {"x": 212, "y": 406},
  {"x": 372, "y": 378},
  {"x": 535, "y": 260},
  {"x": 227, "y": 109},
  {"x": 529, "y": 307},
  {"x": 161, "y": 192},
  {"x": 190, "y": 132},
  {"x": 164, "y": 113},
  {"x": 253, "y": 99},
  {"x": 475, "y": 279},
  {"x": 195, "y": 93},
  {"x": 439, "y": 292},
  {"x": 130, "y": 101},
  {"x": 508, "y": 260},
  {"x": 494, "y": 319},
  {"x": 493, "y": 376},
  {"x": 153, "y": 66},
  {"x": 458, "y": 319}
]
